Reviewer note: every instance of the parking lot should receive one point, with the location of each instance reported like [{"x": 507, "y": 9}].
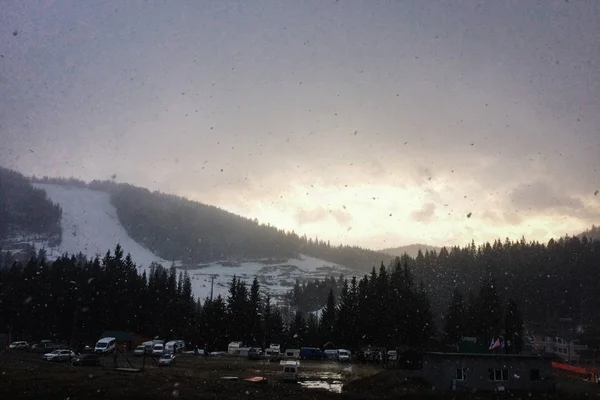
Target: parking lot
[{"x": 26, "y": 375}]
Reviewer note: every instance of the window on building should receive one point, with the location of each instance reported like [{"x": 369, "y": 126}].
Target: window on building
[
  {"x": 498, "y": 375},
  {"x": 534, "y": 375},
  {"x": 461, "y": 374}
]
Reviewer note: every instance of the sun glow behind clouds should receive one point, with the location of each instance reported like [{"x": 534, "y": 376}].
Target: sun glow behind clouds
[{"x": 443, "y": 213}]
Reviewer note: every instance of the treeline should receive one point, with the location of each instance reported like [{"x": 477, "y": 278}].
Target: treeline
[
  {"x": 22, "y": 254},
  {"x": 381, "y": 309},
  {"x": 25, "y": 210},
  {"x": 549, "y": 281},
  {"x": 244, "y": 316},
  {"x": 311, "y": 295},
  {"x": 385, "y": 308},
  {"x": 76, "y": 299},
  {"x": 484, "y": 317},
  {"x": 179, "y": 229}
]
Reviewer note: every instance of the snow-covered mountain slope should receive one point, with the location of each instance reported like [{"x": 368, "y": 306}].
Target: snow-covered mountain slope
[
  {"x": 90, "y": 225},
  {"x": 277, "y": 279}
]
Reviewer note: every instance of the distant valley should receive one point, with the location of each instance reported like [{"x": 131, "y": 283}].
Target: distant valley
[{"x": 58, "y": 216}]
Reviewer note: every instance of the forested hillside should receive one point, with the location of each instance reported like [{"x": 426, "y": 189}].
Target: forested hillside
[
  {"x": 548, "y": 281},
  {"x": 175, "y": 228},
  {"x": 180, "y": 229},
  {"x": 26, "y": 212}
]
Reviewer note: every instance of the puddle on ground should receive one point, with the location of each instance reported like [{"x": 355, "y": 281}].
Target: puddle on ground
[
  {"x": 333, "y": 386},
  {"x": 323, "y": 376}
]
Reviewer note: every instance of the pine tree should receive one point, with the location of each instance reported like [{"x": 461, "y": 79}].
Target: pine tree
[
  {"x": 297, "y": 331},
  {"x": 490, "y": 311},
  {"x": 256, "y": 314},
  {"x": 454, "y": 324},
  {"x": 346, "y": 318},
  {"x": 472, "y": 325},
  {"x": 312, "y": 331},
  {"x": 277, "y": 328},
  {"x": 513, "y": 328},
  {"x": 328, "y": 319}
]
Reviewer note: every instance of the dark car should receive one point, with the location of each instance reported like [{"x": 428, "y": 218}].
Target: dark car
[
  {"x": 86, "y": 359},
  {"x": 254, "y": 353},
  {"x": 274, "y": 356}
]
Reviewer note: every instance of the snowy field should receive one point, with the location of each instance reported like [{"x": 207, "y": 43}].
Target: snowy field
[
  {"x": 90, "y": 225},
  {"x": 277, "y": 279}
]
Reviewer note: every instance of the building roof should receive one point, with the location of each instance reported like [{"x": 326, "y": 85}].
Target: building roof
[{"x": 488, "y": 355}]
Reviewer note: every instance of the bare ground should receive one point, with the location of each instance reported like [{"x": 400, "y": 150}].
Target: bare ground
[{"x": 26, "y": 376}]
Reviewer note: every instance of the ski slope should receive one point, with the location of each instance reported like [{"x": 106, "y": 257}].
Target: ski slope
[{"x": 90, "y": 225}]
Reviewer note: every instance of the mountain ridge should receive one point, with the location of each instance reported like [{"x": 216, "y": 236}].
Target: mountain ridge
[
  {"x": 175, "y": 228},
  {"x": 412, "y": 249}
]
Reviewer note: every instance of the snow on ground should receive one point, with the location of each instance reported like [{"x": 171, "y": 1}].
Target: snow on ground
[
  {"x": 276, "y": 279},
  {"x": 90, "y": 225}
]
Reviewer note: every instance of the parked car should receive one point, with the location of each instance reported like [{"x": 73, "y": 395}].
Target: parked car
[
  {"x": 59, "y": 355},
  {"x": 254, "y": 353},
  {"x": 158, "y": 349},
  {"x": 275, "y": 356},
  {"x": 86, "y": 359},
  {"x": 331, "y": 354},
  {"x": 344, "y": 355},
  {"x": 166, "y": 359},
  {"x": 140, "y": 350},
  {"x": 44, "y": 346},
  {"x": 18, "y": 346},
  {"x": 105, "y": 345}
]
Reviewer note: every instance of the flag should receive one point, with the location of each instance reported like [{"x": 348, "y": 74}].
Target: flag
[{"x": 494, "y": 344}]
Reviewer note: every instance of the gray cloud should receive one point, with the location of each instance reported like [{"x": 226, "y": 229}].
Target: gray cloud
[
  {"x": 425, "y": 214},
  {"x": 237, "y": 104},
  {"x": 540, "y": 196},
  {"x": 320, "y": 214}
]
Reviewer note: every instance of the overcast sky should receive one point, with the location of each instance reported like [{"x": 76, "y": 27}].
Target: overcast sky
[{"x": 362, "y": 122}]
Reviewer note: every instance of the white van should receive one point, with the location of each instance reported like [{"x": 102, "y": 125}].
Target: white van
[
  {"x": 175, "y": 346},
  {"x": 291, "y": 369},
  {"x": 158, "y": 349},
  {"x": 344, "y": 355},
  {"x": 105, "y": 345}
]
